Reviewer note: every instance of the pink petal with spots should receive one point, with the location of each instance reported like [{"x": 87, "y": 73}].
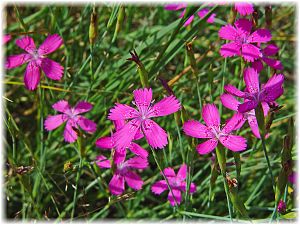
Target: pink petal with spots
[
  {"x": 26, "y": 43},
  {"x": 82, "y": 107},
  {"x": 159, "y": 187},
  {"x": 230, "y": 49},
  {"x": 247, "y": 106},
  {"x": 276, "y": 80},
  {"x": 243, "y": 26},
  {"x": 52, "y": 69},
  {"x": 16, "y": 60},
  {"x": 233, "y": 123},
  {"x": 182, "y": 172},
  {"x": 270, "y": 94},
  {"x": 87, "y": 125},
  {"x": 169, "y": 172},
  {"x": 142, "y": 98},
  {"x": 251, "y": 79},
  {"x": 228, "y": 32},
  {"x": 196, "y": 129},
  {"x": 229, "y": 101},
  {"x": 104, "y": 143},
  {"x": 155, "y": 135},
  {"x": 211, "y": 115},
  {"x": 117, "y": 184},
  {"x": 257, "y": 65},
  {"x": 244, "y": 8},
  {"x": 234, "y": 91},
  {"x": 270, "y": 50},
  {"x": 234, "y": 143},
  {"x": 32, "y": 76},
  {"x": 137, "y": 162},
  {"x": 164, "y": 107},
  {"x": 61, "y": 106},
  {"x": 52, "y": 122},
  {"x": 102, "y": 162},
  {"x": 138, "y": 150},
  {"x": 276, "y": 64},
  {"x": 51, "y": 43},
  {"x": 70, "y": 134},
  {"x": 207, "y": 146},
  {"x": 124, "y": 136},
  {"x": 177, "y": 195},
  {"x": 250, "y": 52},
  {"x": 122, "y": 112},
  {"x": 260, "y": 36},
  {"x": 133, "y": 180}
]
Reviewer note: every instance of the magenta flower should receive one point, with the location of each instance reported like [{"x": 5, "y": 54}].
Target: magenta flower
[
  {"x": 202, "y": 13},
  {"x": 244, "y": 8},
  {"x": 242, "y": 40},
  {"x": 6, "y": 38},
  {"x": 214, "y": 133},
  {"x": 270, "y": 50},
  {"x": 139, "y": 120},
  {"x": 281, "y": 208},
  {"x": 123, "y": 172},
  {"x": 232, "y": 103},
  {"x": 177, "y": 184},
  {"x": 37, "y": 59},
  {"x": 72, "y": 118},
  {"x": 119, "y": 155},
  {"x": 267, "y": 93}
]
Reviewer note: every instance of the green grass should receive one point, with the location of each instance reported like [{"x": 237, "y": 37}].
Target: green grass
[{"x": 103, "y": 76}]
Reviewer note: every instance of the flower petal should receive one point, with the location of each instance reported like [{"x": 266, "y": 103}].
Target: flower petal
[
  {"x": 119, "y": 155},
  {"x": 155, "y": 135},
  {"x": 52, "y": 69},
  {"x": 175, "y": 7},
  {"x": 61, "y": 106},
  {"x": 119, "y": 124},
  {"x": 117, "y": 184},
  {"x": 32, "y": 76},
  {"x": 87, "y": 125},
  {"x": 234, "y": 143},
  {"x": 82, "y": 107},
  {"x": 26, "y": 43},
  {"x": 207, "y": 146},
  {"x": 122, "y": 112},
  {"x": 51, "y": 43},
  {"x": 182, "y": 172},
  {"x": 102, "y": 162},
  {"x": 52, "y": 122},
  {"x": 104, "y": 143},
  {"x": 16, "y": 60},
  {"x": 253, "y": 125},
  {"x": 243, "y": 26},
  {"x": 137, "y": 162},
  {"x": 247, "y": 106},
  {"x": 143, "y": 98},
  {"x": 275, "y": 80},
  {"x": 193, "y": 187},
  {"x": 276, "y": 64},
  {"x": 228, "y": 32},
  {"x": 244, "y": 8},
  {"x": 133, "y": 180},
  {"x": 233, "y": 123},
  {"x": 250, "y": 52},
  {"x": 164, "y": 107},
  {"x": 189, "y": 21},
  {"x": 177, "y": 195},
  {"x": 70, "y": 134},
  {"x": 230, "y": 49},
  {"x": 251, "y": 78},
  {"x": 6, "y": 38},
  {"x": 211, "y": 115},
  {"x": 138, "y": 150},
  {"x": 202, "y": 13},
  {"x": 257, "y": 65},
  {"x": 270, "y": 50},
  {"x": 196, "y": 129},
  {"x": 229, "y": 101},
  {"x": 169, "y": 172},
  {"x": 234, "y": 91},
  {"x": 260, "y": 36},
  {"x": 159, "y": 187}
]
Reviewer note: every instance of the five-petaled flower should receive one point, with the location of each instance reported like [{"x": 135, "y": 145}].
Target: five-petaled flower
[
  {"x": 202, "y": 13},
  {"x": 177, "y": 184},
  {"x": 270, "y": 50},
  {"x": 72, "y": 118},
  {"x": 139, "y": 120},
  {"x": 242, "y": 40},
  {"x": 123, "y": 172},
  {"x": 37, "y": 59},
  {"x": 267, "y": 93},
  {"x": 120, "y": 153},
  {"x": 213, "y": 132}
]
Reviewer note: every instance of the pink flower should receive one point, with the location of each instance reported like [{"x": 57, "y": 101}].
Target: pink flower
[
  {"x": 213, "y": 132},
  {"x": 139, "y": 120},
  {"x": 177, "y": 184},
  {"x": 270, "y": 50},
  {"x": 37, "y": 59},
  {"x": 202, "y": 13},
  {"x": 232, "y": 103},
  {"x": 267, "y": 93},
  {"x": 123, "y": 172},
  {"x": 242, "y": 40},
  {"x": 281, "y": 208},
  {"x": 244, "y": 8},
  {"x": 72, "y": 118},
  {"x": 6, "y": 38},
  {"x": 119, "y": 155}
]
